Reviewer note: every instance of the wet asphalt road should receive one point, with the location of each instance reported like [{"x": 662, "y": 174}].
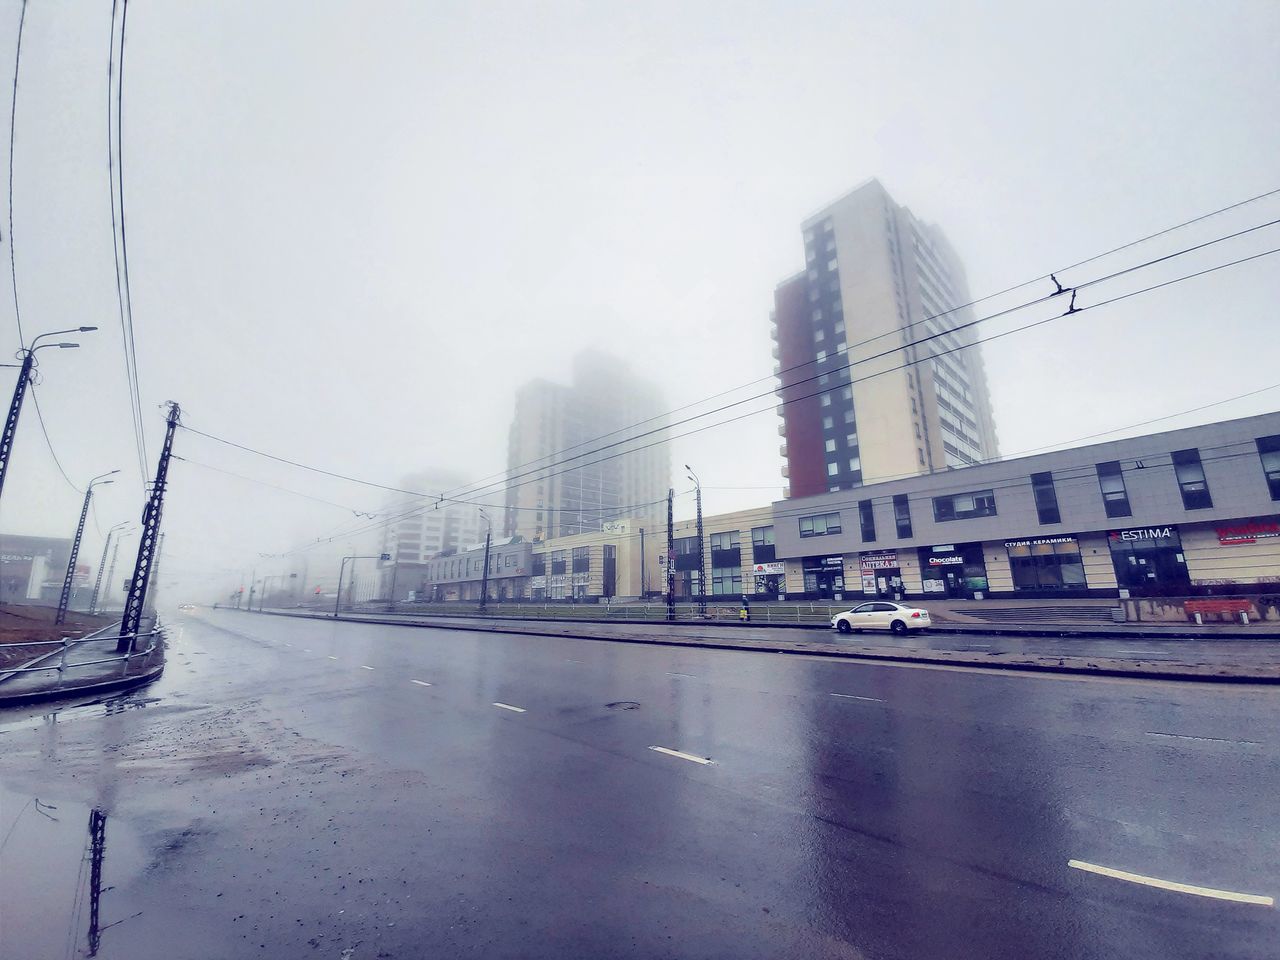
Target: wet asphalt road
[{"x": 289, "y": 790}]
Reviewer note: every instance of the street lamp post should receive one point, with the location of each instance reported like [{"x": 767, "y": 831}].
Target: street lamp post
[
  {"x": 702, "y": 562},
  {"x": 102, "y": 564},
  {"x": 64, "y": 599},
  {"x": 28, "y": 364},
  {"x": 484, "y": 577},
  {"x": 337, "y": 600},
  {"x": 111, "y": 569}
]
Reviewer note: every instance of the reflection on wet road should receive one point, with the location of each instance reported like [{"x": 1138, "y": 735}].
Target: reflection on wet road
[{"x": 300, "y": 789}]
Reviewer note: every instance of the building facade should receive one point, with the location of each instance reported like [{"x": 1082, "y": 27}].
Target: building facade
[
  {"x": 32, "y": 568},
  {"x": 1182, "y": 513},
  {"x": 549, "y": 494},
  {"x": 861, "y": 400}
]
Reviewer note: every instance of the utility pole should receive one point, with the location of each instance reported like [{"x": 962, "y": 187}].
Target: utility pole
[
  {"x": 97, "y": 853},
  {"x": 671, "y": 559},
  {"x": 484, "y": 577},
  {"x": 20, "y": 391},
  {"x": 337, "y": 600},
  {"x": 702, "y": 555},
  {"x": 97, "y": 584},
  {"x": 135, "y": 602},
  {"x": 65, "y": 599},
  {"x": 644, "y": 568},
  {"x": 111, "y": 571}
]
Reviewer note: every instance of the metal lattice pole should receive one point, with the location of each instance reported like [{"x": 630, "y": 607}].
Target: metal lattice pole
[
  {"x": 671, "y": 559},
  {"x": 135, "y": 602}
]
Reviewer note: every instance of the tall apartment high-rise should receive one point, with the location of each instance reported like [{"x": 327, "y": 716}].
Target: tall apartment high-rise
[
  {"x": 860, "y": 404},
  {"x": 549, "y": 495},
  {"x": 422, "y": 529}
]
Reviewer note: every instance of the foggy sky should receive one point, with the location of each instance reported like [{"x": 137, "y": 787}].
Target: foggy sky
[{"x": 356, "y": 228}]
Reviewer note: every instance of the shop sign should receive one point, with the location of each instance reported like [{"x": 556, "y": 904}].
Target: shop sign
[
  {"x": 947, "y": 561},
  {"x": 615, "y": 526},
  {"x": 1248, "y": 531},
  {"x": 539, "y": 582},
  {"x": 820, "y": 564},
  {"x": 885, "y": 560},
  {"x": 1143, "y": 533},
  {"x": 1038, "y": 541},
  {"x": 944, "y": 548},
  {"x": 770, "y": 569}
]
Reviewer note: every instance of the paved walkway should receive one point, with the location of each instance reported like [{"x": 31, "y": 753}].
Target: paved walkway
[{"x": 89, "y": 663}]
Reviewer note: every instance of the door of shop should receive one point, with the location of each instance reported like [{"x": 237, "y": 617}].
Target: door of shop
[
  {"x": 824, "y": 577},
  {"x": 954, "y": 570}
]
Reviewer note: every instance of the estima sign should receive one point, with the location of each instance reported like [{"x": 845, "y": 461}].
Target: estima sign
[
  {"x": 1143, "y": 533},
  {"x": 769, "y": 569}
]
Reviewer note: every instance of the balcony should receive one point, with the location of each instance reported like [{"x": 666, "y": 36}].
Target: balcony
[
  {"x": 775, "y": 351},
  {"x": 782, "y": 449},
  {"x": 782, "y": 429},
  {"x": 786, "y": 471}
]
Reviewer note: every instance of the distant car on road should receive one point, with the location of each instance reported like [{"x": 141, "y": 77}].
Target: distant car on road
[{"x": 881, "y": 615}]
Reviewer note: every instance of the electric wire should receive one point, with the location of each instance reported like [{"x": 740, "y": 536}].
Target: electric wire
[
  {"x": 496, "y": 477},
  {"x": 13, "y": 125},
  {"x": 48, "y": 442}
]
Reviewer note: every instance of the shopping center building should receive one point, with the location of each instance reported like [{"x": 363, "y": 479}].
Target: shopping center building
[
  {"x": 1186, "y": 512},
  {"x": 1182, "y": 513}
]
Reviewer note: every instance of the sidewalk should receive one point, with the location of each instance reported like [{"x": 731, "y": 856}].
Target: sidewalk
[
  {"x": 82, "y": 666},
  {"x": 1215, "y": 660}
]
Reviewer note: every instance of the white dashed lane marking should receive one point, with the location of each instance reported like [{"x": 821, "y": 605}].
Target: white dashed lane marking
[
  {"x": 507, "y": 706},
  {"x": 683, "y": 756},
  {"x": 365, "y": 666},
  {"x": 421, "y": 683},
  {"x": 850, "y": 696},
  {"x": 687, "y": 676},
  {"x": 1210, "y": 892},
  {"x": 1180, "y": 736},
  {"x": 332, "y": 657}
]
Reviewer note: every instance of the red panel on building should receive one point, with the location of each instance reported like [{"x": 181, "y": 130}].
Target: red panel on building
[{"x": 806, "y": 459}]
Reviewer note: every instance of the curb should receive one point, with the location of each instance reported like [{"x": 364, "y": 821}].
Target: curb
[
  {"x": 119, "y": 683},
  {"x": 1097, "y": 667},
  {"x": 1064, "y": 632}
]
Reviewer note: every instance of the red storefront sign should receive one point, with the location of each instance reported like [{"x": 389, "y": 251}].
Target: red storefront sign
[{"x": 1247, "y": 531}]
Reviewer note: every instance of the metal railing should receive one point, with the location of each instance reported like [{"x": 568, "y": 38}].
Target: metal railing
[{"x": 66, "y": 643}]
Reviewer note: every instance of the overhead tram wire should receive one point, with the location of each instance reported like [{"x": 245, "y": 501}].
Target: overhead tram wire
[
  {"x": 13, "y": 125},
  {"x": 49, "y": 443},
  {"x": 905, "y": 365},
  {"x": 119, "y": 240},
  {"x": 900, "y": 348},
  {"x": 498, "y": 477},
  {"x": 902, "y": 366}
]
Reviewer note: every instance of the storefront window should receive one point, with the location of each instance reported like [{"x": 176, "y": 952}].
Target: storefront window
[
  {"x": 1047, "y": 563},
  {"x": 726, "y": 581},
  {"x": 953, "y": 569},
  {"x": 1149, "y": 560}
]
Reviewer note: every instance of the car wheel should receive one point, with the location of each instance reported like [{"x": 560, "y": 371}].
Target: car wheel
[
  {"x": 898, "y": 627},
  {"x": 843, "y": 627}
]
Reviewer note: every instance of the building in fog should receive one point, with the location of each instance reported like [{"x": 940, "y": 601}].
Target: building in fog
[
  {"x": 876, "y": 278},
  {"x": 549, "y": 494},
  {"x": 32, "y": 568},
  {"x": 419, "y": 529}
]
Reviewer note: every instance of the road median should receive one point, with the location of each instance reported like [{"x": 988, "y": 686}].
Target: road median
[{"x": 775, "y": 640}]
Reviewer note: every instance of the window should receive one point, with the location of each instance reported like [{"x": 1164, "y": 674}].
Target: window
[
  {"x": 851, "y": 441},
  {"x": 920, "y": 455},
  {"x": 965, "y": 506},
  {"x": 830, "y": 245},
  {"x": 1049, "y": 564},
  {"x": 833, "y": 469},
  {"x": 817, "y": 315},
  {"x": 539, "y": 565},
  {"x": 558, "y": 563},
  {"x": 1046, "y": 497},
  {"x": 831, "y": 265},
  {"x": 826, "y": 398},
  {"x": 726, "y": 581},
  {"x": 848, "y": 416},
  {"x": 827, "y": 423},
  {"x": 1115, "y": 498},
  {"x": 902, "y": 515},
  {"x": 822, "y": 355},
  {"x": 867, "y": 520},
  {"x": 1191, "y": 480},
  {"x": 847, "y": 393},
  {"x": 917, "y": 426},
  {"x": 1269, "y": 451},
  {"x": 813, "y": 274},
  {"x": 855, "y": 463},
  {"x": 838, "y": 329},
  {"x": 818, "y": 336},
  {"x": 830, "y": 445},
  {"x": 725, "y": 541},
  {"x": 762, "y": 546},
  {"x": 826, "y": 226},
  {"x": 820, "y": 525}
]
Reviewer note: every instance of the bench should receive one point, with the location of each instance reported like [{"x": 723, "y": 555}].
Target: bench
[{"x": 1226, "y": 608}]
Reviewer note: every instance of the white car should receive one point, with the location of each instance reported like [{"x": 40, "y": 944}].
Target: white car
[{"x": 881, "y": 615}]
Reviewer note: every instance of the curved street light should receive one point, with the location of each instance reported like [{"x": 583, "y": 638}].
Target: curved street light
[{"x": 64, "y": 598}]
